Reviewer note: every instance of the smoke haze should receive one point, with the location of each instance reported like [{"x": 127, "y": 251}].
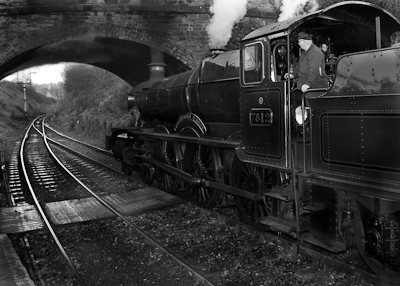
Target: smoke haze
[
  {"x": 156, "y": 55},
  {"x": 225, "y": 14},
  {"x": 293, "y": 8}
]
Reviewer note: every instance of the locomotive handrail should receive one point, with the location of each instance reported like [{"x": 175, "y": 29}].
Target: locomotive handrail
[
  {"x": 303, "y": 111},
  {"x": 303, "y": 116}
]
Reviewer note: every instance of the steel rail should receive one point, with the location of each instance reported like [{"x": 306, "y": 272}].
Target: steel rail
[
  {"x": 4, "y": 173},
  {"x": 78, "y": 141},
  {"x": 198, "y": 276},
  {"x": 40, "y": 209},
  {"x": 83, "y": 156}
]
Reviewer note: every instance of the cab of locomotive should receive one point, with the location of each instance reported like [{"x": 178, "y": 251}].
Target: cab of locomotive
[
  {"x": 348, "y": 159},
  {"x": 268, "y": 104},
  {"x": 273, "y": 115}
]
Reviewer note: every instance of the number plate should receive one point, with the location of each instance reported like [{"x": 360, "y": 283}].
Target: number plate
[{"x": 261, "y": 117}]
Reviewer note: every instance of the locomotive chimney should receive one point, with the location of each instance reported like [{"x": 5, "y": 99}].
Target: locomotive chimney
[
  {"x": 157, "y": 66},
  {"x": 216, "y": 51},
  {"x": 157, "y": 70},
  {"x": 213, "y": 52}
]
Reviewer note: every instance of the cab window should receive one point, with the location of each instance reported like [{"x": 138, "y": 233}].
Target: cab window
[
  {"x": 279, "y": 64},
  {"x": 253, "y": 63}
]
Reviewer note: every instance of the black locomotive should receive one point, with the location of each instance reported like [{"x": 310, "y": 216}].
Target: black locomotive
[{"x": 323, "y": 166}]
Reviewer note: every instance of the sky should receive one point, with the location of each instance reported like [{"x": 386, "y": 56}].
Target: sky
[{"x": 42, "y": 74}]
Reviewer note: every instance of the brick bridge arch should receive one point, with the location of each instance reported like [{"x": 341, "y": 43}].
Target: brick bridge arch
[{"x": 115, "y": 35}]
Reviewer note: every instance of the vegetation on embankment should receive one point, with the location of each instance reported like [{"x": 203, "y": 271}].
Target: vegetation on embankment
[
  {"x": 94, "y": 101},
  {"x": 12, "y": 112},
  {"x": 89, "y": 100}
]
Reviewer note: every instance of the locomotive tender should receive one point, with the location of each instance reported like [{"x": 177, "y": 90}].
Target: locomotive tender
[{"x": 323, "y": 166}]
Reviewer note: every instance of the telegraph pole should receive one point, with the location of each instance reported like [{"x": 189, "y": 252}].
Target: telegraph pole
[{"x": 25, "y": 83}]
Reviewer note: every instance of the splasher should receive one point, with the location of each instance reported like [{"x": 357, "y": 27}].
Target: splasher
[
  {"x": 293, "y": 8},
  {"x": 226, "y": 13}
]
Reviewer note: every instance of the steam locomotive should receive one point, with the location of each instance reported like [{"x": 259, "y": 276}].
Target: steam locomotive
[{"x": 322, "y": 166}]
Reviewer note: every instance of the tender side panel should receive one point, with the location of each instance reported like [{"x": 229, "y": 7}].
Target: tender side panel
[
  {"x": 357, "y": 139},
  {"x": 363, "y": 143}
]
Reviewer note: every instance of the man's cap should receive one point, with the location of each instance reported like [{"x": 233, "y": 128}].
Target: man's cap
[
  {"x": 304, "y": 36},
  {"x": 395, "y": 38}
]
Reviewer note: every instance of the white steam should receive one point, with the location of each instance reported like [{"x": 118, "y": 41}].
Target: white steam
[
  {"x": 226, "y": 14},
  {"x": 293, "y": 8},
  {"x": 156, "y": 55}
]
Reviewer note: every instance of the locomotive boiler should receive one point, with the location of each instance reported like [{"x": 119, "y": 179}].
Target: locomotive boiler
[{"x": 322, "y": 166}]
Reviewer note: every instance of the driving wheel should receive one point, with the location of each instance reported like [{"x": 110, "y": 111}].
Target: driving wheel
[
  {"x": 168, "y": 153},
  {"x": 204, "y": 163},
  {"x": 249, "y": 178}
]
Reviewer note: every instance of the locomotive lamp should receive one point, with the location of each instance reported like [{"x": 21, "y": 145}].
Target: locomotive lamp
[{"x": 299, "y": 115}]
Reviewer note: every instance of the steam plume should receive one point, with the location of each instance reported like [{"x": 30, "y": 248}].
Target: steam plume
[
  {"x": 293, "y": 8},
  {"x": 225, "y": 14},
  {"x": 156, "y": 55}
]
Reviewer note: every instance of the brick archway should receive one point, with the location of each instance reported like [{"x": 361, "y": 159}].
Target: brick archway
[
  {"x": 110, "y": 47},
  {"x": 114, "y": 35}
]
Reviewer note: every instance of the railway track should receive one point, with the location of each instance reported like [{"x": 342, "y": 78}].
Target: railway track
[
  {"x": 180, "y": 221},
  {"x": 48, "y": 183}
]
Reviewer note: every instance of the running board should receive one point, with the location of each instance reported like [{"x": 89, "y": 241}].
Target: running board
[
  {"x": 328, "y": 244},
  {"x": 284, "y": 194},
  {"x": 279, "y": 225}
]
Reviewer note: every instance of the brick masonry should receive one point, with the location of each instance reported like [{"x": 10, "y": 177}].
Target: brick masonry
[{"x": 115, "y": 34}]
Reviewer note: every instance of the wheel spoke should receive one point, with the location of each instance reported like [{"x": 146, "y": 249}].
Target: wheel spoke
[
  {"x": 262, "y": 210},
  {"x": 200, "y": 154},
  {"x": 203, "y": 194},
  {"x": 249, "y": 178},
  {"x": 257, "y": 213},
  {"x": 165, "y": 153},
  {"x": 251, "y": 208},
  {"x": 207, "y": 161},
  {"x": 163, "y": 147},
  {"x": 167, "y": 181},
  {"x": 202, "y": 162}
]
